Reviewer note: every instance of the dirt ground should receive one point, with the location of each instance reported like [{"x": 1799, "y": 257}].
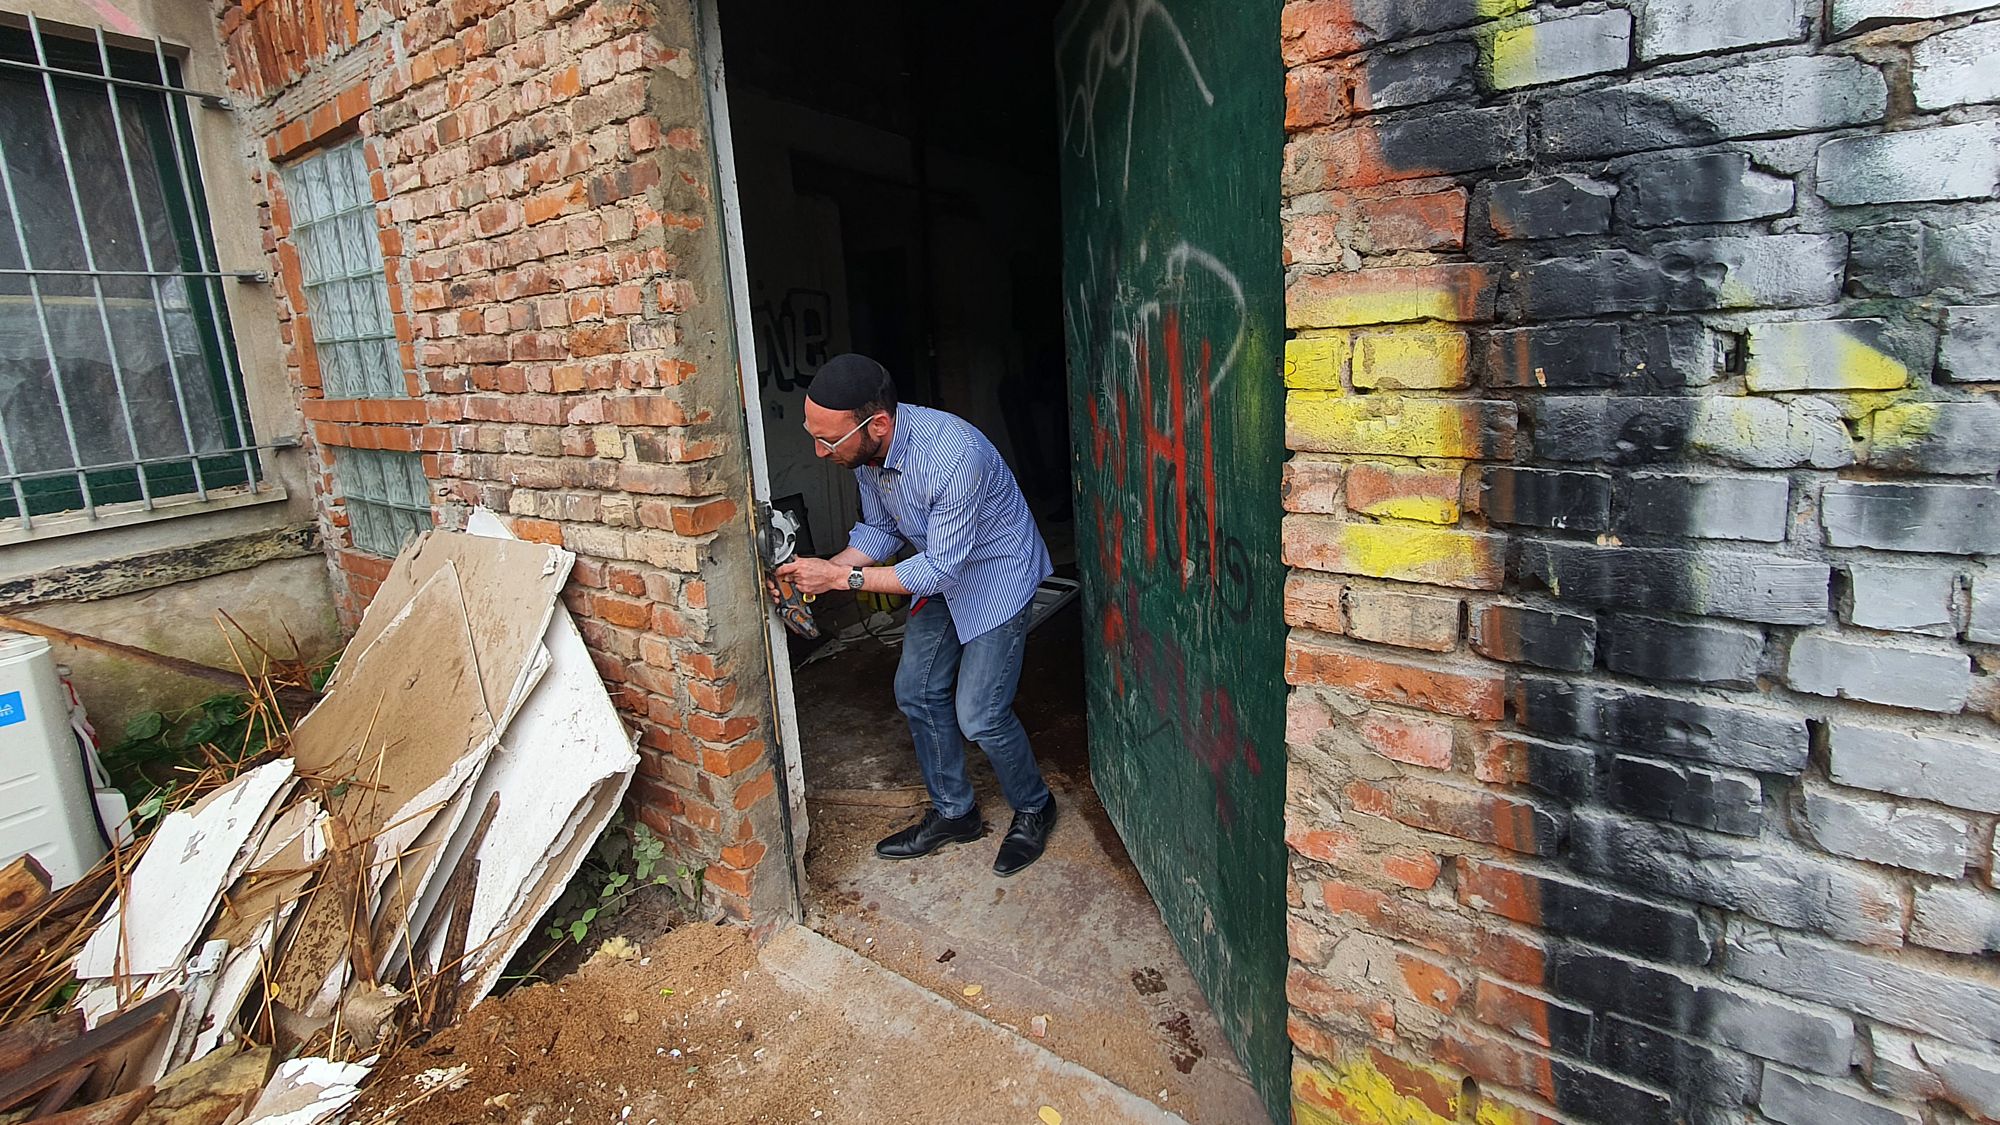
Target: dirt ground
[{"x": 700, "y": 1028}]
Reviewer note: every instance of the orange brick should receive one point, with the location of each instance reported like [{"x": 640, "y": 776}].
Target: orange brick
[
  {"x": 700, "y": 519},
  {"x": 1314, "y": 603},
  {"x": 1428, "y": 982},
  {"x": 1311, "y": 486},
  {"x": 1467, "y": 693},
  {"x": 763, "y": 785},
  {"x": 1416, "y": 742},
  {"x": 728, "y": 763},
  {"x": 729, "y": 880},
  {"x": 1377, "y": 489}
]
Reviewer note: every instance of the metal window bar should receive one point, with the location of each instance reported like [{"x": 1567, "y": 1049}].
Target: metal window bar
[
  {"x": 187, "y": 226},
  {"x": 346, "y": 289},
  {"x": 386, "y": 495}
]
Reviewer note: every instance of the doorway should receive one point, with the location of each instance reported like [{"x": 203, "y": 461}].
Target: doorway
[{"x": 899, "y": 171}]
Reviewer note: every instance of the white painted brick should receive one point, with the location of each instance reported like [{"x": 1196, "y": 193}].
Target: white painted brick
[
  {"x": 1670, "y": 29},
  {"x": 1854, "y": 668},
  {"x": 1916, "y": 995},
  {"x": 1951, "y": 771},
  {"x": 1970, "y": 351},
  {"x": 1957, "y": 67},
  {"x": 1795, "y": 1100},
  {"x": 1846, "y": 823},
  {"x": 1907, "y": 599},
  {"x": 1985, "y": 625},
  {"x": 1851, "y": 16},
  {"x": 1912, "y": 165},
  {"x": 1956, "y": 919},
  {"x": 1560, "y": 49}
]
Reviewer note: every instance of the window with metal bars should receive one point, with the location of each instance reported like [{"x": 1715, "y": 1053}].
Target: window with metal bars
[
  {"x": 119, "y": 381},
  {"x": 340, "y": 255},
  {"x": 388, "y": 499}
]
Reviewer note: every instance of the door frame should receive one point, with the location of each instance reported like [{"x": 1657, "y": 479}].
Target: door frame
[{"x": 736, "y": 273}]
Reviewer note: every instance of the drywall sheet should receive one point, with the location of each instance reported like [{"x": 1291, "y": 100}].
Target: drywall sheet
[{"x": 173, "y": 890}]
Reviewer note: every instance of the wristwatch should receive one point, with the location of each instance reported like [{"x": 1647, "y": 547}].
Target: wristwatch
[{"x": 854, "y": 578}]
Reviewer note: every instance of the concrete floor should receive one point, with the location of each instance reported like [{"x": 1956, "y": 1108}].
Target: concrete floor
[{"x": 1074, "y": 940}]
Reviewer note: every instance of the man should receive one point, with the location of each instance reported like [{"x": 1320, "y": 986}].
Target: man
[{"x": 931, "y": 480}]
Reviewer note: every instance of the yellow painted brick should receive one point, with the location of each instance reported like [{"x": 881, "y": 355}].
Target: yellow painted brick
[
  {"x": 1398, "y": 425},
  {"x": 1415, "y": 358},
  {"x": 1356, "y": 1091},
  {"x": 1316, "y": 362},
  {"x": 1402, "y": 552}
]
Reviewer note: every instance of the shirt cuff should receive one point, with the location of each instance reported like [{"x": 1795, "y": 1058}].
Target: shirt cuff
[
  {"x": 873, "y": 542},
  {"x": 919, "y": 576}
]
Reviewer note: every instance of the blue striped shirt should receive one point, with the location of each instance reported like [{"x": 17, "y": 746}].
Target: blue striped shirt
[{"x": 943, "y": 489}]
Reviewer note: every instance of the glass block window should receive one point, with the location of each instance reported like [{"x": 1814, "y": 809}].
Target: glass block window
[
  {"x": 347, "y": 294},
  {"x": 388, "y": 497}
]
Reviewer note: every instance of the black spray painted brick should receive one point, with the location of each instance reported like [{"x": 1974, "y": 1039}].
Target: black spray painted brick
[
  {"x": 1718, "y": 800},
  {"x": 1718, "y": 733},
  {"x": 1651, "y": 649},
  {"x": 1613, "y": 431},
  {"x": 1664, "y": 355},
  {"x": 1422, "y": 74},
  {"x": 1770, "y": 1029},
  {"x": 1572, "y": 501},
  {"x": 1523, "y": 635},
  {"x": 1550, "y": 207},
  {"x": 1704, "y": 583}
]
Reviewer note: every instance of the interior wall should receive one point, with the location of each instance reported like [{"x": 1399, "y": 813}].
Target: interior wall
[{"x": 900, "y": 203}]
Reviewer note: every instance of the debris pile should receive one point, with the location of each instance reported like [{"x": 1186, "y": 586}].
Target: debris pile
[{"x": 372, "y": 880}]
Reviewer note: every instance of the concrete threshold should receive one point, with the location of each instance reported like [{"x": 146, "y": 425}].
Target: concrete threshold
[{"x": 978, "y": 1070}]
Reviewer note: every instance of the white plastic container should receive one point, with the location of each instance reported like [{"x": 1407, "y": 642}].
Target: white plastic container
[{"x": 45, "y": 798}]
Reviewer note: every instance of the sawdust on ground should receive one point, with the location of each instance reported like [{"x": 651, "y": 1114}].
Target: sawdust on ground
[
  {"x": 690, "y": 1030},
  {"x": 696, "y": 1030}
]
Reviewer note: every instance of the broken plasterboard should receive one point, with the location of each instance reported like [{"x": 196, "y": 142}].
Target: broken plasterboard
[
  {"x": 307, "y": 1092},
  {"x": 562, "y": 767},
  {"x": 509, "y": 588},
  {"x": 174, "y": 888},
  {"x": 393, "y": 745}
]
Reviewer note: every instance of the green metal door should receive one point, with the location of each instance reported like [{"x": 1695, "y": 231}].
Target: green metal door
[{"x": 1172, "y": 136}]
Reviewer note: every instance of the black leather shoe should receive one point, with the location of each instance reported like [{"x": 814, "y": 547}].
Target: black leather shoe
[
  {"x": 1025, "y": 839},
  {"x": 930, "y": 834}
]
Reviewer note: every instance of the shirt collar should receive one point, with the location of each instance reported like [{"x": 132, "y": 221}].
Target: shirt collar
[{"x": 899, "y": 446}]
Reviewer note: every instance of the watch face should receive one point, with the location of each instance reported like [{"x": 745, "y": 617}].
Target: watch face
[{"x": 854, "y": 579}]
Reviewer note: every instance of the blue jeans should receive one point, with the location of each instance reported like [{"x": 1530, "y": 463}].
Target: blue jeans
[{"x": 954, "y": 693}]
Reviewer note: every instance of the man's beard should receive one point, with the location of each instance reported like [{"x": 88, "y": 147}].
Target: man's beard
[{"x": 868, "y": 450}]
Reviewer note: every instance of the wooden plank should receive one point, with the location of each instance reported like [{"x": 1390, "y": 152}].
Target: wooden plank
[
  {"x": 120, "y": 1110},
  {"x": 128, "y": 1027},
  {"x": 58, "y": 1095},
  {"x": 1174, "y": 303},
  {"x": 24, "y": 887},
  {"x": 24, "y": 1041}
]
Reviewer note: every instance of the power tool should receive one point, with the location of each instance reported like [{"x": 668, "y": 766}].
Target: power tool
[{"x": 778, "y": 533}]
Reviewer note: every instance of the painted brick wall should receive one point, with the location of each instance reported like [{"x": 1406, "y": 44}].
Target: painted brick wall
[
  {"x": 553, "y": 258},
  {"x": 1644, "y": 763}
]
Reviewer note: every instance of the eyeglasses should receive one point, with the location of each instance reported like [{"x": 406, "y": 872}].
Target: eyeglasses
[{"x": 836, "y": 443}]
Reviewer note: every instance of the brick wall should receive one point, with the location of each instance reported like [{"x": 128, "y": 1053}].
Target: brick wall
[
  {"x": 553, "y": 254},
  {"x": 1644, "y": 763}
]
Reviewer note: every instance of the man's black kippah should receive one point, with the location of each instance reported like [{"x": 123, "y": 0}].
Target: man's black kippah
[{"x": 850, "y": 382}]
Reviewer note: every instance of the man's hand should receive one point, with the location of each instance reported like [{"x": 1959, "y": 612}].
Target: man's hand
[{"x": 814, "y": 576}]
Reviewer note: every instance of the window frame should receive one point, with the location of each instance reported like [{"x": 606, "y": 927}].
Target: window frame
[{"x": 217, "y": 470}]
